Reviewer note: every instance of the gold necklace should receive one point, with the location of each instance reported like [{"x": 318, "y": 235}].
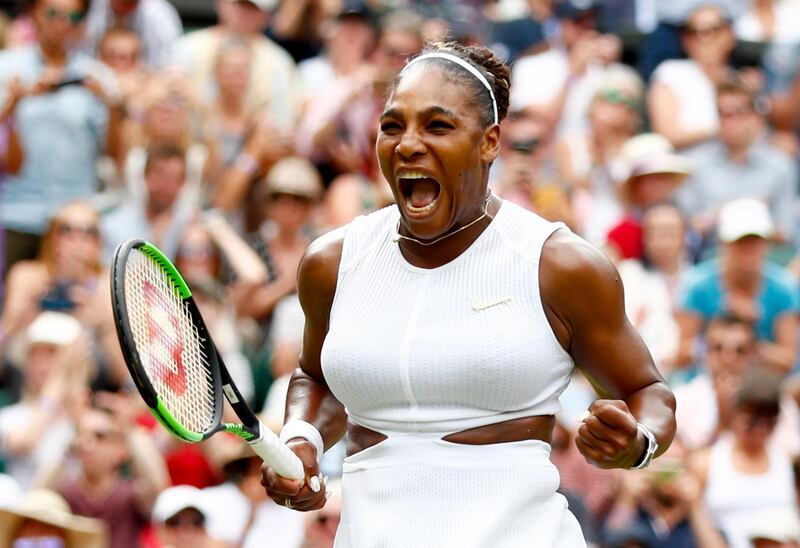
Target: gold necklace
[{"x": 399, "y": 236}]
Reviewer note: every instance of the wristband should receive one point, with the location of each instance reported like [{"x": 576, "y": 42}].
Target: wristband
[
  {"x": 650, "y": 450},
  {"x": 305, "y": 430}
]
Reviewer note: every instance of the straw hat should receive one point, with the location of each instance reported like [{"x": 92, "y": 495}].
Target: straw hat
[
  {"x": 48, "y": 507},
  {"x": 296, "y": 176},
  {"x": 648, "y": 154}
]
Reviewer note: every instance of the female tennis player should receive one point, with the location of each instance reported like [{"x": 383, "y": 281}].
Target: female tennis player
[{"x": 440, "y": 333}]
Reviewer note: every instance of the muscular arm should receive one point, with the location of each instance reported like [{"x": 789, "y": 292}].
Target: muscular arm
[
  {"x": 583, "y": 299},
  {"x": 309, "y": 398}
]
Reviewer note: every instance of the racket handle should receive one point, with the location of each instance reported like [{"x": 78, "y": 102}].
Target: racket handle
[{"x": 275, "y": 453}]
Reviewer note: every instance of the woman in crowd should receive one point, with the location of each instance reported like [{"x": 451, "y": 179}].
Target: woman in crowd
[{"x": 447, "y": 346}]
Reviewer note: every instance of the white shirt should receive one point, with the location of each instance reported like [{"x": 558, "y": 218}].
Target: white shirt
[
  {"x": 694, "y": 91},
  {"x": 787, "y": 25},
  {"x": 273, "y": 525}
]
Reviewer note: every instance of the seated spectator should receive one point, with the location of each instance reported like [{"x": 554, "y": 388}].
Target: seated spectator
[
  {"x": 649, "y": 283},
  {"x": 42, "y": 518},
  {"x": 349, "y": 39},
  {"x": 195, "y": 54},
  {"x": 742, "y": 474},
  {"x": 166, "y": 212},
  {"x": 769, "y": 21},
  {"x": 37, "y": 431},
  {"x": 107, "y": 439},
  {"x": 525, "y": 174},
  {"x": 740, "y": 163},
  {"x": 180, "y": 515},
  {"x": 241, "y": 514},
  {"x": 742, "y": 281},
  {"x": 155, "y": 22},
  {"x": 587, "y": 159},
  {"x": 338, "y": 127},
  {"x": 562, "y": 81},
  {"x": 664, "y": 506},
  {"x": 682, "y": 103},
  {"x": 62, "y": 128},
  {"x": 168, "y": 113},
  {"x": 649, "y": 175}
]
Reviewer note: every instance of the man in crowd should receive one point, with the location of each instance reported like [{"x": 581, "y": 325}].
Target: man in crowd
[
  {"x": 740, "y": 163},
  {"x": 156, "y": 22},
  {"x": 743, "y": 282},
  {"x": 180, "y": 514}
]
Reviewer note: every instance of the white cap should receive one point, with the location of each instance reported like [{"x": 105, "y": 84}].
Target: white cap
[
  {"x": 54, "y": 328},
  {"x": 779, "y": 525},
  {"x": 174, "y": 499},
  {"x": 744, "y": 217},
  {"x": 648, "y": 154},
  {"x": 263, "y": 5}
]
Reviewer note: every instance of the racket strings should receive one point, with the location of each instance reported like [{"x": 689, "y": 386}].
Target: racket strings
[{"x": 169, "y": 344}]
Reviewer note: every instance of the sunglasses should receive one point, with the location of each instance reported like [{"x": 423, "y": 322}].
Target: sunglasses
[
  {"x": 764, "y": 422},
  {"x": 735, "y": 112},
  {"x": 66, "y": 229},
  {"x": 616, "y": 97},
  {"x": 706, "y": 31},
  {"x": 525, "y": 146},
  {"x": 193, "y": 520},
  {"x": 72, "y": 17}
]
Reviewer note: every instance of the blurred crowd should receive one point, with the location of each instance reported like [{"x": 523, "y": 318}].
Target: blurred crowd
[{"x": 664, "y": 132}]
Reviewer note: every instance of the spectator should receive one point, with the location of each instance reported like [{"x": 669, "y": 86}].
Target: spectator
[
  {"x": 106, "y": 439},
  {"x": 523, "y": 35},
  {"x": 180, "y": 515},
  {"x": 241, "y": 514},
  {"x": 562, "y": 81},
  {"x": 42, "y": 518},
  {"x": 279, "y": 94},
  {"x": 769, "y": 21},
  {"x": 62, "y": 128},
  {"x": 705, "y": 404},
  {"x": 649, "y": 174},
  {"x": 167, "y": 210},
  {"x": 587, "y": 160},
  {"x": 665, "y": 504},
  {"x": 743, "y": 282},
  {"x": 742, "y": 474},
  {"x": 740, "y": 163},
  {"x": 648, "y": 297},
  {"x": 682, "y": 103},
  {"x": 36, "y": 432},
  {"x": 156, "y": 22},
  {"x": 349, "y": 39},
  {"x": 121, "y": 50},
  {"x": 525, "y": 173}
]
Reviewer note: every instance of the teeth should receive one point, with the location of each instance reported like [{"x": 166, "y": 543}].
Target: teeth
[{"x": 412, "y": 175}]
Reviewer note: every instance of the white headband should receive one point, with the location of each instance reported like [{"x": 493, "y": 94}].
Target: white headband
[{"x": 460, "y": 62}]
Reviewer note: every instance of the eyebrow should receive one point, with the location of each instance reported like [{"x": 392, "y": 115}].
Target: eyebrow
[{"x": 430, "y": 111}]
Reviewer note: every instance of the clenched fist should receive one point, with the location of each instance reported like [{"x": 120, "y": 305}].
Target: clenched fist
[{"x": 608, "y": 437}]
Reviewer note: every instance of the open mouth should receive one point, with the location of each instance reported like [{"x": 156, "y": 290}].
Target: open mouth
[{"x": 420, "y": 193}]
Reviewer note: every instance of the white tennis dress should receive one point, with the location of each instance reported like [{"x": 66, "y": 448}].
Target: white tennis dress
[{"x": 418, "y": 354}]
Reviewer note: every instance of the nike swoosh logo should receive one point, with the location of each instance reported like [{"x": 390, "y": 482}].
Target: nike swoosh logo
[{"x": 483, "y": 305}]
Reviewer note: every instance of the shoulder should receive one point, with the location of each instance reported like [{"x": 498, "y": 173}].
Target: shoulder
[
  {"x": 576, "y": 277},
  {"x": 780, "y": 278},
  {"x": 25, "y": 273},
  {"x": 318, "y": 272},
  {"x": 153, "y": 9},
  {"x": 668, "y": 71},
  {"x": 703, "y": 274},
  {"x": 276, "y": 54}
]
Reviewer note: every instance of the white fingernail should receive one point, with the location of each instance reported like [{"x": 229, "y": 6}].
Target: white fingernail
[
  {"x": 314, "y": 484},
  {"x": 325, "y": 480},
  {"x": 328, "y": 495},
  {"x": 583, "y": 416}
]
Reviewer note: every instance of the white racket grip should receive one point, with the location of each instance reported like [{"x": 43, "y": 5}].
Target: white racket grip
[{"x": 275, "y": 453}]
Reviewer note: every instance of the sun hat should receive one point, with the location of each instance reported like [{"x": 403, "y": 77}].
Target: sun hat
[
  {"x": 49, "y": 507},
  {"x": 295, "y": 176},
  {"x": 54, "y": 328},
  {"x": 648, "y": 154},
  {"x": 176, "y": 499},
  {"x": 263, "y": 5},
  {"x": 744, "y": 217}
]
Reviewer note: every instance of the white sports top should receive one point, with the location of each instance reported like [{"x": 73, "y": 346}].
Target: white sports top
[{"x": 444, "y": 349}]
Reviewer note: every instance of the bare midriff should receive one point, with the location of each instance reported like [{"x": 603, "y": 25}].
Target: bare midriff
[{"x": 526, "y": 428}]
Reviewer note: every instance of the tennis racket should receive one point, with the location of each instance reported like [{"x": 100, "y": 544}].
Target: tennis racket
[{"x": 173, "y": 361}]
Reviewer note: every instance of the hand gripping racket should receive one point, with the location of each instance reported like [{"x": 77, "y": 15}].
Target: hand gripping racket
[{"x": 173, "y": 360}]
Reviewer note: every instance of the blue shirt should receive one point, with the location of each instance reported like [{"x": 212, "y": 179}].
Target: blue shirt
[
  {"x": 702, "y": 292},
  {"x": 61, "y": 134}
]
